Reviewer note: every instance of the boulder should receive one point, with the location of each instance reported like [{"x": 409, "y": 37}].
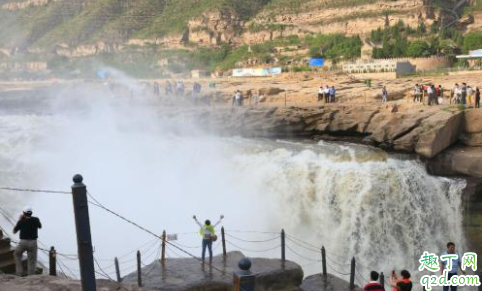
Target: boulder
[
  {"x": 187, "y": 274},
  {"x": 458, "y": 160},
  {"x": 472, "y": 128},
  {"x": 270, "y": 91},
  {"x": 439, "y": 131},
  {"x": 50, "y": 283}
]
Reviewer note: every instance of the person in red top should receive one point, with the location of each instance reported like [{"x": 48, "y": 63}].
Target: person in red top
[
  {"x": 374, "y": 285},
  {"x": 401, "y": 285}
]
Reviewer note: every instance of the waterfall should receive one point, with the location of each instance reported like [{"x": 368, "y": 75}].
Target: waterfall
[{"x": 355, "y": 201}]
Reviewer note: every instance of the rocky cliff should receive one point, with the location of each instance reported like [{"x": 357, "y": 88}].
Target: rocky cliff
[
  {"x": 108, "y": 24},
  {"x": 428, "y": 132}
]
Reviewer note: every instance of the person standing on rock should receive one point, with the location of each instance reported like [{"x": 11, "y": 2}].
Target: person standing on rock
[
  {"x": 477, "y": 97},
  {"x": 208, "y": 235},
  {"x": 384, "y": 94},
  {"x": 416, "y": 93},
  {"x": 326, "y": 92},
  {"x": 28, "y": 226},
  {"x": 320, "y": 93}
]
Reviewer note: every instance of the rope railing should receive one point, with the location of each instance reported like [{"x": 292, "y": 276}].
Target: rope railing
[{"x": 153, "y": 248}]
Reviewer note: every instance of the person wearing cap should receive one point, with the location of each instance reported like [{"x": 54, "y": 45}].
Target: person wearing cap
[
  {"x": 209, "y": 235},
  {"x": 28, "y": 226}
]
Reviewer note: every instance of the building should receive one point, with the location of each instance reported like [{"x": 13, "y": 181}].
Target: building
[
  {"x": 395, "y": 67},
  {"x": 474, "y": 58}
]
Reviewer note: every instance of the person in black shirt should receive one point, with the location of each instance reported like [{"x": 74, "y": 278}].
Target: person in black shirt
[{"x": 28, "y": 226}]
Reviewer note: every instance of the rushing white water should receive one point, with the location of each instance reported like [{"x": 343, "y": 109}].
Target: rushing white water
[{"x": 353, "y": 200}]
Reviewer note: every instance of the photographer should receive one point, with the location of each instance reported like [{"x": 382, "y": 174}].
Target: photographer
[
  {"x": 28, "y": 226},
  {"x": 209, "y": 235},
  {"x": 405, "y": 284}
]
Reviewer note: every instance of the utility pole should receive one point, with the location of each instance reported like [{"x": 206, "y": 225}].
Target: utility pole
[{"x": 84, "y": 238}]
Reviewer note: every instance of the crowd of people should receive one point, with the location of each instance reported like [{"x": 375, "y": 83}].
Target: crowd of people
[{"x": 460, "y": 94}]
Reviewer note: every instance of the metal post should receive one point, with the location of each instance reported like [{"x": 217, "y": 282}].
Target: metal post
[
  {"x": 480, "y": 280},
  {"x": 382, "y": 279},
  {"x": 52, "y": 262},
  {"x": 163, "y": 254},
  {"x": 283, "y": 257},
  {"x": 352, "y": 274},
  {"x": 84, "y": 238},
  {"x": 117, "y": 270},
  {"x": 223, "y": 237},
  {"x": 139, "y": 270},
  {"x": 323, "y": 260}
]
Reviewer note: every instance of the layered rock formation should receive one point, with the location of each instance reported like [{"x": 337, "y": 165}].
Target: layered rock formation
[{"x": 428, "y": 132}]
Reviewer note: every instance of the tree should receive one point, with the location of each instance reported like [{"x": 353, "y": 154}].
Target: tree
[
  {"x": 418, "y": 48},
  {"x": 472, "y": 41}
]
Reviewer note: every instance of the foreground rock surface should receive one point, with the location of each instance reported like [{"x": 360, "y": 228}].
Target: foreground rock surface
[
  {"x": 332, "y": 283},
  {"x": 43, "y": 283},
  {"x": 188, "y": 274}
]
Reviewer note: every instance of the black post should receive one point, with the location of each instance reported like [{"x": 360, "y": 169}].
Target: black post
[
  {"x": 352, "y": 274},
  {"x": 323, "y": 260},
  {"x": 139, "y": 270},
  {"x": 84, "y": 238},
  {"x": 117, "y": 270},
  {"x": 480, "y": 280},
  {"x": 163, "y": 254},
  {"x": 382, "y": 279},
  {"x": 52, "y": 262},
  {"x": 223, "y": 237},
  {"x": 283, "y": 257}
]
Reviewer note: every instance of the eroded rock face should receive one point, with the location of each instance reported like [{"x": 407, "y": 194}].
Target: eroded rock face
[
  {"x": 426, "y": 133},
  {"x": 188, "y": 274}
]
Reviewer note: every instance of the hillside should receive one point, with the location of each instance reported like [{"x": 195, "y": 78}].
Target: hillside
[{"x": 215, "y": 33}]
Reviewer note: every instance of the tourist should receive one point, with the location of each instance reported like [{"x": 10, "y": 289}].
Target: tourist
[
  {"x": 320, "y": 93},
  {"x": 326, "y": 92},
  {"x": 463, "y": 94},
  {"x": 470, "y": 93},
  {"x": 384, "y": 94},
  {"x": 255, "y": 98},
  {"x": 431, "y": 94},
  {"x": 239, "y": 98},
  {"x": 417, "y": 92},
  {"x": 456, "y": 94},
  {"x": 28, "y": 226},
  {"x": 233, "y": 99},
  {"x": 332, "y": 94},
  {"x": 456, "y": 263},
  {"x": 156, "y": 89},
  {"x": 405, "y": 284},
  {"x": 168, "y": 88},
  {"x": 374, "y": 285},
  {"x": 440, "y": 94},
  {"x": 208, "y": 235},
  {"x": 477, "y": 97}
]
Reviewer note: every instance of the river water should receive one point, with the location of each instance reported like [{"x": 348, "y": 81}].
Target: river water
[{"x": 356, "y": 201}]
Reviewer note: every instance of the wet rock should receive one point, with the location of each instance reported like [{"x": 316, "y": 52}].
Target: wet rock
[
  {"x": 332, "y": 283},
  {"x": 42, "y": 283},
  {"x": 188, "y": 274}
]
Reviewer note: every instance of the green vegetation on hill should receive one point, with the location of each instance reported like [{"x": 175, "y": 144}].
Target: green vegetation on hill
[{"x": 402, "y": 41}]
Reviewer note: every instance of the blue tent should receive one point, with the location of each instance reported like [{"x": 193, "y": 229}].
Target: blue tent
[{"x": 317, "y": 62}]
